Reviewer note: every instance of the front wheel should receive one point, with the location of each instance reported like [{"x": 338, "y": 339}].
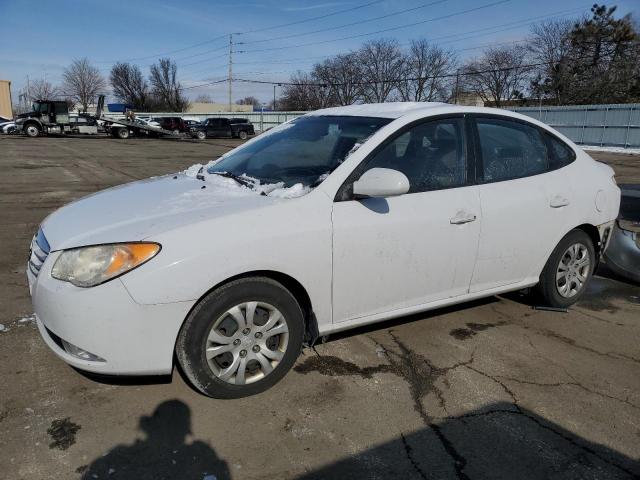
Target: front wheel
[
  {"x": 242, "y": 135},
  {"x": 32, "y": 130},
  {"x": 241, "y": 339},
  {"x": 201, "y": 135},
  {"x": 565, "y": 276}
]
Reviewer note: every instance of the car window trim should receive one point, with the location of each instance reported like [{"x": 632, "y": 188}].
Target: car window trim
[
  {"x": 473, "y": 117},
  {"x": 344, "y": 193}
]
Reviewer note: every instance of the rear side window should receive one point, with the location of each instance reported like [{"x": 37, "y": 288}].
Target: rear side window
[
  {"x": 562, "y": 154},
  {"x": 510, "y": 150}
]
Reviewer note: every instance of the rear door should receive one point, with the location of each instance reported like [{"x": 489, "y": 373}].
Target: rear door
[
  {"x": 524, "y": 200},
  {"x": 401, "y": 252}
]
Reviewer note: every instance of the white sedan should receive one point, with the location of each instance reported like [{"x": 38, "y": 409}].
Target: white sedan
[{"x": 342, "y": 217}]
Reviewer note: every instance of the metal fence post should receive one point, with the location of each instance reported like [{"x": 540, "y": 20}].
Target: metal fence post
[
  {"x": 584, "y": 124},
  {"x": 604, "y": 126},
  {"x": 626, "y": 138},
  {"x": 261, "y": 121}
]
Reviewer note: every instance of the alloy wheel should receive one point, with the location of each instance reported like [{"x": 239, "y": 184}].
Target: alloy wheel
[
  {"x": 247, "y": 342},
  {"x": 573, "y": 270}
]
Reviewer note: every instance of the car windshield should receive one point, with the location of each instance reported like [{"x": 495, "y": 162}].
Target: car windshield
[{"x": 301, "y": 151}]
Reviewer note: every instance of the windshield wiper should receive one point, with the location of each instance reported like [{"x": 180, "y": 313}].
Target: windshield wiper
[{"x": 239, "y": 179}]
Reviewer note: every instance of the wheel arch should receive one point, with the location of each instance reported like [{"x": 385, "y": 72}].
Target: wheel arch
[
  {"x": 293, "y": 285},
  {"x": 32, "y": 121},
  {"x": 594, "y": 234}
]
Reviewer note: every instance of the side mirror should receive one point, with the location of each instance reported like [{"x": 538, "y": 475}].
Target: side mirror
[{"x": 381, "y": 182}]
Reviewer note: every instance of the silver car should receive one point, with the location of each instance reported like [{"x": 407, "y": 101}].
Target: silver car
[{"x": 623, "y": 254}]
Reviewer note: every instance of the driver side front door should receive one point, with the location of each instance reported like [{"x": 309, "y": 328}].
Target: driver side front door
[{"x": 393, "y": 255}]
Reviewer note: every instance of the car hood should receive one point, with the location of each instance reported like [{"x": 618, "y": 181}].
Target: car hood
[{"x": 142, "y": 209}]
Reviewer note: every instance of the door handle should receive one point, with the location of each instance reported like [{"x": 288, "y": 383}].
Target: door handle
[
  {"x": 462, "y": 217},
  {"x": 558, "y": 201}
]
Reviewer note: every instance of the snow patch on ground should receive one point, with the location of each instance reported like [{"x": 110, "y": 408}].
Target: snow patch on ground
[
  {"x": 597, "y": 148},
  {"x": 20, "y": 322}
]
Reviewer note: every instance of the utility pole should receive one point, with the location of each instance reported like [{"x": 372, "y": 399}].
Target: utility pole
[
  {"x": 28, "y": 90},
  {"x": 457, "y": 86},
  {"x": 230, "y": 68},
  {"x": 274, "y": 97}
]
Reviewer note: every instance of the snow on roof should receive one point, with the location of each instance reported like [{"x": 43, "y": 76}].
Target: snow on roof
[{"x": 386, "y": 110}]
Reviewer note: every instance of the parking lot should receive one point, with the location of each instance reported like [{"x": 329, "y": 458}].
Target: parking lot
[{"x": 489, "y": 389}]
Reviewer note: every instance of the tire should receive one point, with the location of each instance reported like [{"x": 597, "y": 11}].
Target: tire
[
  {"x": 210, "y": 325},
  {"x": 32, "y": 130},
  {"x": 562, "y": 284},
  {"x": 123, "y": 133},
  {"x": 242, "y": 135},
  {"x": 201, "y": 135}
]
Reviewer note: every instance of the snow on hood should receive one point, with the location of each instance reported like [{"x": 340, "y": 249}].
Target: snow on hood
[
  {"x": 277, "y": 190},
  {"x": 142, "y": 209}
]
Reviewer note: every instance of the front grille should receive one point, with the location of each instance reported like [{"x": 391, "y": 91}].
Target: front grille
[{"x": 38, "y": 252}]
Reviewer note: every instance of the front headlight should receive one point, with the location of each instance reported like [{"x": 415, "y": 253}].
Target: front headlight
[{"x": 91, "y": 266}]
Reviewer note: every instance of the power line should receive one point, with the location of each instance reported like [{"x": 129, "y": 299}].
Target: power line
[
  {"x": 360, "y": 22},
  {"x": 395, "y": 80},
  {"x": 310, "y": 19},
  {"x": 225, "y": 35},
  {"x": 443, "y": 17}
]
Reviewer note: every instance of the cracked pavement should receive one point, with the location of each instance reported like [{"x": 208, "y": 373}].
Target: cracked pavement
[{"x": 488, "y": 389}]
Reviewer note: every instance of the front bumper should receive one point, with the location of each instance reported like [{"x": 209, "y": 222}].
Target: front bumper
[
  {"x": 132, "y": 339},
  {"x": 623, "y": 254}
]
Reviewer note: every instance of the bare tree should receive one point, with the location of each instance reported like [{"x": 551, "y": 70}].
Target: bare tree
[
  {"x": 204, "y": 98},
  {"x": 129, "y": 85},
  {"x": 83, "y": 81},
  {"x": 424, "y": 67},
  {"x": 249, "y": 101},
  {"x": 166, "y": 87},
  {"x": 303, "y": 93},
  {"x": 550, "y": 45},
  {"x": 43, "y": 90},
  {"x": 342, "y": 74},
  {"x": 382, "y": 64},
  {"x": 498, "y": 76}
]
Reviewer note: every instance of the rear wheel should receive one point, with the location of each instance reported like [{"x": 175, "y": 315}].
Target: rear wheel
[
  {"x": 32, "y": 130},
  {"x": 123, "y": 133},
  {"x": 241, "y": 339},
  {"x": 568, "y": 270},
  {"x": 243, "y": 135}
]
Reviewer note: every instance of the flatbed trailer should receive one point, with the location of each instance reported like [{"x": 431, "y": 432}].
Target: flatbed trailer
[{"x": 125, "y": 128}]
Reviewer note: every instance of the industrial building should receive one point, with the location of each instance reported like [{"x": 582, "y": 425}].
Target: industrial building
[{"x": 6, "y": 109}]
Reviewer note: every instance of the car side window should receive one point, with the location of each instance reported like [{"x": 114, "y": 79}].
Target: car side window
[
  {"x": 432, "y": 155},
  {"x": 510, "y": 150},
  {"x": 562, "y": 154}
]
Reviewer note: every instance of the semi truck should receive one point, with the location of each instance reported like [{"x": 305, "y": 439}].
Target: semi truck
[{"x": 52, "y": 117}]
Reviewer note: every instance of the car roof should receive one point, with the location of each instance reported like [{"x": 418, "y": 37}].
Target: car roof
[
  {"x": 395, "y": 110},
  {"x": 385, "y": 110}
]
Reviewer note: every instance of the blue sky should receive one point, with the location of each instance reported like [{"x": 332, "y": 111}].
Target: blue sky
[{"x": 41, "y": 37}]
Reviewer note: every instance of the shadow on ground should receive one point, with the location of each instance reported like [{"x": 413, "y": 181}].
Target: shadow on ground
[
  {"x": 501, "y": 440},
  {"x": 165, "y": 453}
]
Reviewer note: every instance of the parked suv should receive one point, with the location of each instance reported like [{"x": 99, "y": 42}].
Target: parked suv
[{"x": 222, "y": 127}]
